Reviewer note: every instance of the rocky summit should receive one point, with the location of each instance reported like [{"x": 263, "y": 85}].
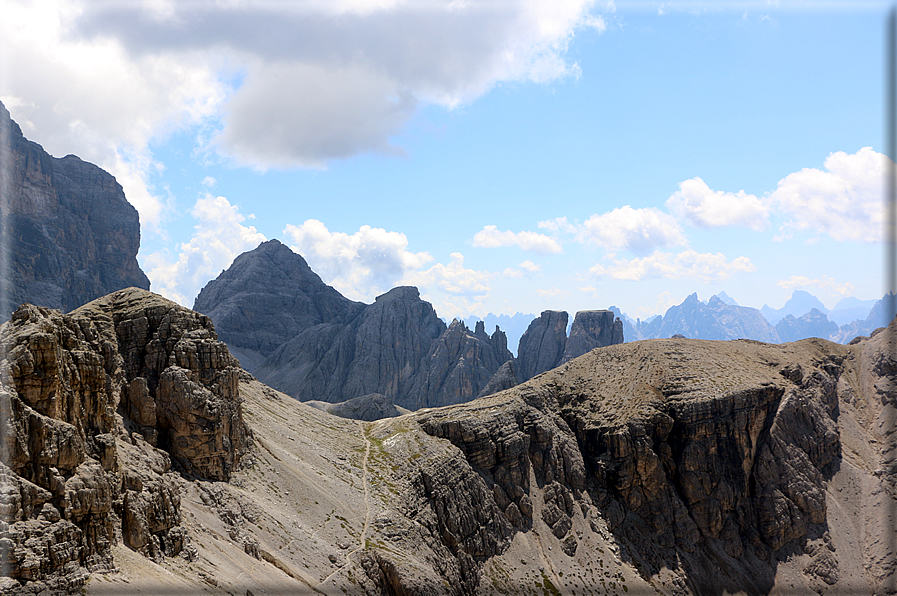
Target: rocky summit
[
  {"x": 143, "y": 460},
  {"x": 304, "y": 338},
  {"x": 106, "y": 410},
  {"x": 70, "y": 235}
]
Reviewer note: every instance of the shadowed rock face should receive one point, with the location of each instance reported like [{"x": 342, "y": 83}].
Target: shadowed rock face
[
  {"x": 302, "y": 337},
  {"x": 592, "y": 329},
  {"x": 697, "y": 454},
  {"x": 545, "y": 344},
  {"x": 85, "y": 398},
  {"x": 542, "y": 345},
  {"x": 72, "y": 234},
  {"x": 267, "y": 297}
]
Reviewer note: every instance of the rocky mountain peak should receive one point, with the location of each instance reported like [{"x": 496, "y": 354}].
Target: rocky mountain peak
[
  {"x": 72, "y": 234},
  {"x": 406, "y": 293}
]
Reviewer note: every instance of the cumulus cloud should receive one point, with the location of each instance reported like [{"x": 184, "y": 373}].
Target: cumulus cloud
[
  {"x": 825, "y": 283},
  {"x": 287, "y": 83},
  {"x": 91, "y": 97},
  {"x": 453, "y": 278},
  {"x": 530, "y": 266},
  {"x": 686, "y": 264},
  {"x": 697, "y": 204},
  {"x": 843, "y": 201},
  {"x": 638, "y": 230},
  {"x": 360, "y": 265},
  {"x": 219, "y": 237},
  {"x": 491, "y": 237}
]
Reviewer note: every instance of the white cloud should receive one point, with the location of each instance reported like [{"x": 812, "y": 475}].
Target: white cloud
[
  {"x": 453, "y": 278},
  {"x": 696, "y": 203},
  {"x": 530, "y": 266},
  {"x": 551, "y": 292},
  {"x": 526, "y": 267},
  {"x": 219, "y": 238},
  {"x": 360, "y": 265},
  {"x": 625, "y": 228},
  {"x": 90, "y": 97},
  {"x": 845, "y": 201},
  {"x": 336, "y": 78},
  {"x": 491, "y": 237},
  {"x": 686, "y": 264},
  {"x": 825, "y": 283}
]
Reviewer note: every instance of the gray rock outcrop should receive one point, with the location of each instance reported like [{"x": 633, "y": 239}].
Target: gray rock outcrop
[
  {"x": 545, "y": 344},
  {"x": 70, "y": 235},
  {"x": 86, "y": 399},
  {"x": 374, "y": 406},
  {"x": 268, "y": 297},
  {"x": 458, "y": 366},
  {"x": 542, "y": 345},
  {"x": 302, "y": 337},
  {"x": 592, "y": 329},
  {"x": 714, "y": 320}
]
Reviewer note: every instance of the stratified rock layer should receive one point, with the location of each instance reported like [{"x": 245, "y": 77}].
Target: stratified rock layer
[
  {"x": 71, "y": 235},
  {"x": 86, "y": 398}
]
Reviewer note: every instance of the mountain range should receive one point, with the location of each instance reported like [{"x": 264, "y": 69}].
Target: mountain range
[{"x": 143, "y": 453}]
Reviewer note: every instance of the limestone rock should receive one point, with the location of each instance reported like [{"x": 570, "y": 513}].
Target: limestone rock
[
  {"x": 72, "y": 234},
  {"x": 542, "y": 346},
  {"x": 714, "y": 320},
  {"x": 458, "y": 366},
  {"x": 266, "y": 298},
  {"x": 303, "y": 338},
  {"x": 504, "y": 378},
  {"x": 374, "y": 406},
  {"x": 592, "y": 329},
  {"x": 78, "y": 470}
]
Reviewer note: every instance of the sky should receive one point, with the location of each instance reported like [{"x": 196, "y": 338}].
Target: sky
[{"x": 503, "y": 156}]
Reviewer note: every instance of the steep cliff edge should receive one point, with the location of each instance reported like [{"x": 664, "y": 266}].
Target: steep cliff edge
[
  {"x": 86, "y": 397},
  {"x": 71, "y": 234}
]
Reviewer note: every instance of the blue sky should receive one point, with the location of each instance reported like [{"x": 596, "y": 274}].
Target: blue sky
[{"x": 503, "y": 156}]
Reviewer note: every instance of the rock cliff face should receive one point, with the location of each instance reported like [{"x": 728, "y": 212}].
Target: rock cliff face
[
  {"x": 458, "y": 366},
  {"x": 72, "y": 236},
  {"x": 302, "y": 337},
  {"x": 542, "y": 345},
  {"x": 592, "y": 329},
  {"x": 545, "y": 344},
  {"x": 267, "y": 297},
  {"x": 86, "y": 399}
]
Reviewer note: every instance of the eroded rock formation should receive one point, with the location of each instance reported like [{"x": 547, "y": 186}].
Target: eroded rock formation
[{"x": 87, "y": 398}]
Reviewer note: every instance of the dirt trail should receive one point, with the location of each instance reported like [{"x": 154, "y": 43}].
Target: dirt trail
[{"x": 367, "y": 506}]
